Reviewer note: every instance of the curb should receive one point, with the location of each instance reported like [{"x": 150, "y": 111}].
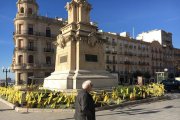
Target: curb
[
  {"x": 154, "y": 99},
  {"x": 8, "y": 103},
  {"x": 36, "y": 110}
]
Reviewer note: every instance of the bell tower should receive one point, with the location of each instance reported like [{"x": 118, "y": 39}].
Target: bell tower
[{"x": 80, "y": 53}]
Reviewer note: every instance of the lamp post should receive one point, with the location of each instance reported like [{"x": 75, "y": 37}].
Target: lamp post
[
  {"x": 165, "y": 71},
  {"x": 6, "y": 70}
]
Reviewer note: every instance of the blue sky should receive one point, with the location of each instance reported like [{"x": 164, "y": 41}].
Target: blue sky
[{"x": 111, "y": 16}]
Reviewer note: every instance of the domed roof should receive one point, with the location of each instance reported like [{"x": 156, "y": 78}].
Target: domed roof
[{"x": 27, "y": 1}]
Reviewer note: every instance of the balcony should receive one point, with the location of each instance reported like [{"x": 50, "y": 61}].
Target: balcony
[
  {"x": 128, "y": 53},
  {"x": 48, "y": 66},
  {"x": 49, "y": 50},
  {"x": 34, "y": 33},
  {"x": 108, "y": 62},
  {"x": 114, "y": 44},
  {"x": 22, "y": 15},
  {"x": 144, "y": 63},
  {"x": 18, "y": 66},
  {"x": 127, "y": 62},
  {"x": 20, "y": 49},
  {"x": 114, "y": 62},
  {"x": 31, "y": 49},
  {"x": 111, "y": 62},
  {"x": 114, "y": 52},
  {"x": 121, "y": 62},
  {"x": 32, "y": 66},
  {"x": 108, "y": 51}
]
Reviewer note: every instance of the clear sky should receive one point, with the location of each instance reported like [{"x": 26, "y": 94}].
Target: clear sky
[{"x": 111, "y": 16}]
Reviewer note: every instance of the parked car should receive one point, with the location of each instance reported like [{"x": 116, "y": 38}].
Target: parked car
[{"x": 171, "y": 84}]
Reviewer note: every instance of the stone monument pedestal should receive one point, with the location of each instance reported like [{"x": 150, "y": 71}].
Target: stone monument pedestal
[{"x": 74, "y": 79}]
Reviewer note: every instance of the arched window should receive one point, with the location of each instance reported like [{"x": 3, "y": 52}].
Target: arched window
[
  {"x": 22, "y": 10},
  {"x": 31, "y": 59},
  {"x": 20, "y": 59},
  {"x": 30, "y": 11},
  {"x": 48, "y": 60},
  {"x": 48, "y": 32}
]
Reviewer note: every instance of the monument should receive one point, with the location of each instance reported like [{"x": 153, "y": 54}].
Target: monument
[{"x": 80, "y": 54}]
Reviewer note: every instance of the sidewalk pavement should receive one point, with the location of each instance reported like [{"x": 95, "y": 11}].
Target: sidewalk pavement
[{"x": 166, "y": 110}]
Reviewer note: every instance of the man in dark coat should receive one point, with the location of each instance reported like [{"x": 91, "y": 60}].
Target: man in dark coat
[{"x": 84, "y": 105}]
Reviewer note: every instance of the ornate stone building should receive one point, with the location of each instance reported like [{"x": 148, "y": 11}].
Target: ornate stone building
[{"x": 33, "y": 36}]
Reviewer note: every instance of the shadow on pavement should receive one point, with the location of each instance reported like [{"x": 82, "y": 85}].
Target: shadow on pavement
[
  {"x": 132, "y": 112},
  {"x": 66, "y": 119},
  {"x": 1, "y": 110}
]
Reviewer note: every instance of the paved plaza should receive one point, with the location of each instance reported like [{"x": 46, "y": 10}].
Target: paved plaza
[{"x": 162, "y": 110}]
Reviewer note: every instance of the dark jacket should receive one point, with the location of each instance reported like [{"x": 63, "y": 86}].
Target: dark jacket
[{"x": 84, "y": 106}]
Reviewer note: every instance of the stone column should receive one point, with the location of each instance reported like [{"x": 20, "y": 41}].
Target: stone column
[{"x": 16, "y": 79}]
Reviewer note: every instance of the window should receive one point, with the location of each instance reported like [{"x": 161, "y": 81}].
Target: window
[
  {"x": 20, "y": 81},
  {"x": 30, "y": 45},
  {"x": 20, "y": 28},
  {"x": 114, "y": 59},
  {"x": 30, "y": 11},
  {"x": 107, "y": 57},
  {"x": 48, "y": 60},
  {"x": 114, "y": 68},
  {"x": 107, "y": 68},
  {"x": 22, "y": 10},
  {"x": 48, "y": 45},
  {"x": 48, "y": 32},
  {"x": 30, "y": 80},
  {"x": 91, "y": 58},
  {"x": 107, "y": 48},
  {"x": 30, "y": 29},
  {"x": 31, "y": 59},
  {"x": 20, "y": 59},
  {"x": 20, "y": 43}
]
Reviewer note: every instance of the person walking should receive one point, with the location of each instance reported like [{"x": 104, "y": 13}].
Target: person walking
[{"x": 84, "y": 104}]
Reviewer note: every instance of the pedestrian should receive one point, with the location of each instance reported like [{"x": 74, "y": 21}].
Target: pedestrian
[{"x": 84, "y": 105}]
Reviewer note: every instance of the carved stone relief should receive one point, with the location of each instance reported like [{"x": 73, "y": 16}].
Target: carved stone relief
[{"x": 94, "y": 39}]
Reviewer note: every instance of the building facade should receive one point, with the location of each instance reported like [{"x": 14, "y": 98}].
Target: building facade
[
  {"x": 163, "y": 37},
  {"x": 177, "y": 61},
  {"x": 127, "y": 56},
  {"x": 33, "y": 36}
]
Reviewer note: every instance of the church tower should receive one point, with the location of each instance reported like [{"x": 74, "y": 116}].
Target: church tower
[{"x": 80, "y": 54}]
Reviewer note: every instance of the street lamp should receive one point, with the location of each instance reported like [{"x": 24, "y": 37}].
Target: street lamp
[
  {"x": 6, "y": 70},
  {"x": 166, "y": 70}
]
